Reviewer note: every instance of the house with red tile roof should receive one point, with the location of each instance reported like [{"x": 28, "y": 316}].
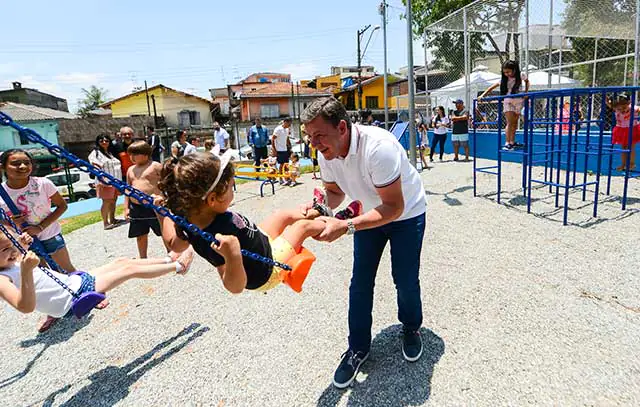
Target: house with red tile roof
[{"x": 270, "y": 95}]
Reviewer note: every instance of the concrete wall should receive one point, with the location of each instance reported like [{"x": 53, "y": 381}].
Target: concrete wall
[
  {"x": 9, "y": 138},
  {"x": 79, "y": 135},
  {"x": 251, "y": 108}
]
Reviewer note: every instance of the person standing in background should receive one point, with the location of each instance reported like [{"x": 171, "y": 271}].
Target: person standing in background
[
  {"x": 258, "y": 140},
  {"x": 221, "y": 137},
  {"x": 154, "y": 141}
]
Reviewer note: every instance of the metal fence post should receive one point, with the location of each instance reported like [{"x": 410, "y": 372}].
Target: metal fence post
[
  {"x": 411, "y": 84},
  {"x": 549, "y": 74},
  {"x": 466, "y": 58}
]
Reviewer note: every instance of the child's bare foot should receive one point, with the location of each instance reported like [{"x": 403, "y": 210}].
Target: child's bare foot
[
  {"x": 104, "y": 304},
  {"x": 620, "y": 168},
  {"x": 173, "y": 255},
  {"x": 47, "y": 323},
  {"x": 185, "y": 259}
]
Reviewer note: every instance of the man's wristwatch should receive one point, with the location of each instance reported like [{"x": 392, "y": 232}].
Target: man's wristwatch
[{"x": 351, "y": 229}]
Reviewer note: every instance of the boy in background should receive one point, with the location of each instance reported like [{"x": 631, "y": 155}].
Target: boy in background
[{"x": 144, "y": 175}]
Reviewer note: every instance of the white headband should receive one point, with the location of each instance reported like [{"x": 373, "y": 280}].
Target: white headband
[{"x": 224, "y": 161}]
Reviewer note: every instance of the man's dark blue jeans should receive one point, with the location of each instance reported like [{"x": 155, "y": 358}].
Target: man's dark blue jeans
[{"x": 406, "y": 243}]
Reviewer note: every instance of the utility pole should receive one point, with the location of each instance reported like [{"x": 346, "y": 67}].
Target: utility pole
[
  {"x": 360, "y": 32},
  {"x": 427, "y": 98},
  {"x": 146, "y": 91},
  {"x": 299, "y": 113},
  {"x": 360, "y": 55},
  {"x": 383, "y": 12},
  {"x": 155, "y": 113},
  {"x": 412, "y": 112},
  {"x": 293, "y": 101}
]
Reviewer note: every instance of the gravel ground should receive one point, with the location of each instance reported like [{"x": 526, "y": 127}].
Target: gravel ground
[{"x": 518, "y": 310}]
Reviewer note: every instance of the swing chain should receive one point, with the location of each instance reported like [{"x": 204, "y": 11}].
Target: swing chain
[
  {"x": 144, "y": 199},
  {"x": 24, "y": 252}
]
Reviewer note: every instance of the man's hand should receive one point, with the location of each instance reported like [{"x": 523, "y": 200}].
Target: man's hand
[
  {"x": 333, "y": 230},
  {"x": 126, "y": 212},
  {"x": 29, "y": 261},
  {"x": 228, "y": 246}
]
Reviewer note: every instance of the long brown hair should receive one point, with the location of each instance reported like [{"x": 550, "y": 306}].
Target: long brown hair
[{"x": 185, "y": 180}]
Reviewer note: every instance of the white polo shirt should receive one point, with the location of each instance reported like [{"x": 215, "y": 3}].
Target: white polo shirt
[
  {"x": 280, "y": 136},
  {"x": 376, "y": 159},
  {"x": 221, "y": 137}
]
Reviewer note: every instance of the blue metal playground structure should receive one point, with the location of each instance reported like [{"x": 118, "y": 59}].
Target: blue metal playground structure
[{"x": 572, "y": 158}]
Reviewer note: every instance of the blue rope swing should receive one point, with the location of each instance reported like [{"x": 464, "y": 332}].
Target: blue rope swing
[{"x": 144, "y": 199}]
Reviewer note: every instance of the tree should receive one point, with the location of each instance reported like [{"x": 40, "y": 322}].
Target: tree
[
  {"x": 448, "y": 46},
  {"x": 584, "y": 20},
  {"x": 93, "y": 98}
]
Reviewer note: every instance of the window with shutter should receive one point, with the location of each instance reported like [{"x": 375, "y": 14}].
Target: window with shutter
[
  {"x": 270, "y": 111},
  {"x": 183, "y": 119},
  {"x": 194, "y": 118}
]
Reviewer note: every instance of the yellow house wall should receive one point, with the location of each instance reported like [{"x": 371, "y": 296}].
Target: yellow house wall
[
  {"x": 325, "y": 81},
  {"x": 375, "y": 88},
  {"x": 137, "y": 104},
  {"x": 173, "y": 103},
  {"x": 168, "y": 103}
]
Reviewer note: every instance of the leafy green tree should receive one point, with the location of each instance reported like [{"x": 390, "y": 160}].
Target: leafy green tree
[
  {"x": 448, "y": 46},
  {"x": 612, "y": 18},
  {"x": 93, "y": 97}
]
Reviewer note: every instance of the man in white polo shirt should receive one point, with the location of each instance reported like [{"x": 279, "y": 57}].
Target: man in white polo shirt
[
  {"x": 221, "y": 137},
  {"x": 368, "y": 164},
  {"x": 281, "y": 145}
]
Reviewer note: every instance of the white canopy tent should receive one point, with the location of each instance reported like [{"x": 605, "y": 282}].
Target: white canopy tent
[
  {"x": 480, "y": 79},
  {"x": 539, "y": 80}
]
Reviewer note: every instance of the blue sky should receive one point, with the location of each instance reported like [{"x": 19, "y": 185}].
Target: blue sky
[{"x": 61, "y": 47}]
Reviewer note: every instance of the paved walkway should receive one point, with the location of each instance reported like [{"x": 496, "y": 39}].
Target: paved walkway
[{"x": 518, "y": 310}]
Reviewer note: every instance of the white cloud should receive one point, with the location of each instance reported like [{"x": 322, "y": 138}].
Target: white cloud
[
  {"x": 302, "y": 70},
  {"x": 80, "y": 78},
  {"x": 68, "y": 86}
]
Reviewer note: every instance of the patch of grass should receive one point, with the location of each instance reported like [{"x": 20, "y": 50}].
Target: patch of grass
[{"x": 86, "y": 219}]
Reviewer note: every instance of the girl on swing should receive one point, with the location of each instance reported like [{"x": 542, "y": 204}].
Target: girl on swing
[
  {"x": 199, "y": 187},
  {"x": 26, "y": 287}
]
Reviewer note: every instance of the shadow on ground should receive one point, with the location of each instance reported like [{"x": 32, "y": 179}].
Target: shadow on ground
[
  {"x": 113, "y": 383},
  {"x": 386, "y": 379},
  {"x": 59, "y": 333},
  {"x": 447, "y": 198},
  {"x": 609, "y": 209}
]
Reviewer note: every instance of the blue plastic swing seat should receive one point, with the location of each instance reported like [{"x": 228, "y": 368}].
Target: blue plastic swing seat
[{"x": 83, "y": 304}]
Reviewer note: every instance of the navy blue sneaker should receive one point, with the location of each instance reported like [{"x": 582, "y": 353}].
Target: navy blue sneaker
[
  {"x": 411, "y": 345},
  {"x": 348, "y": 368}
]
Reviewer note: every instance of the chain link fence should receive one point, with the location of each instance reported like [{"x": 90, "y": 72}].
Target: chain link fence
[{"x": 558, "y": 44}]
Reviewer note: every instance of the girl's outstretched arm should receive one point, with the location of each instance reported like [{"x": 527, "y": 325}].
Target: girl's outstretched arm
[
  {"x": 171, "y": 238},
  {"x": 486, "y": 92},
  {"x": 23, "y": 299},
  {"x": 169, "y": 235},
  {"x": 232, "y": 273}
]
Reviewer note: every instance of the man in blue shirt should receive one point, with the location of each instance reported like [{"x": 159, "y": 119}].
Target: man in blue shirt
[{"x": 258, "y": 140}]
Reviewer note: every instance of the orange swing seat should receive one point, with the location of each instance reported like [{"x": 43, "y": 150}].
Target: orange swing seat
[{"x": 300, "y": 266}]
